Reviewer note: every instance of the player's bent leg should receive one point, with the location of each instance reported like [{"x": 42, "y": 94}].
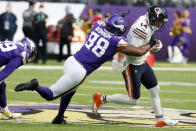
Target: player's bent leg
[
  {"x": 74, "y": 74},
  {"x": 65, "y": 100},
  {"x": 3, "y": 100},
  {"x": 121, "y": 99},
  {"x": 32, "y": 85},
  {"x": 99, "y": 99},
  {"x": 155, "y": 101}
]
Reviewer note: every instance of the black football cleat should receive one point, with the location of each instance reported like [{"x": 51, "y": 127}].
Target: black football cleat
[
  {"x": 59, "y": 120},
  {"x": 31, "y": 85}
]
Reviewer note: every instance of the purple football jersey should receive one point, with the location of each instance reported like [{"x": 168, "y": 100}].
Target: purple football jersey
[
  {"x": 10, "y": 56},
  {"x": 99, "y": 48}
]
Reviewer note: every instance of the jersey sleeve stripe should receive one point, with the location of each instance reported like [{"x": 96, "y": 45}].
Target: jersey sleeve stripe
[
  {"x": 136, "y": 30},
  {"x": 141, "y": 31},
  {"x": 139, "y": 35}
]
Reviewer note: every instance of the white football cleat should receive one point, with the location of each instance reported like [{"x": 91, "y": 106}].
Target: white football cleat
[
  {"x": 96, "y": 103},
  {"x": 165, "y": 122},
  {"x": 10, "y": 115}
]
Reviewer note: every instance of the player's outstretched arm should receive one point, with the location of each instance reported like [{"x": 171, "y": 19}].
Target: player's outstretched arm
[
  {"x": 135, "y": 51},
  {"x": 138, "y": 51}
]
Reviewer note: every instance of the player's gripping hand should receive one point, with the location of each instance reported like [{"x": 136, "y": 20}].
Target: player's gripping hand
[
  {"x": 153, "y": 41},
  {"x": 157, "y": 47},
  {"x": 119, "y": 66}
]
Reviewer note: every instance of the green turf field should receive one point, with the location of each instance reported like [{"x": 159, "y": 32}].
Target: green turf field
[{"x": 174, "y": 95}]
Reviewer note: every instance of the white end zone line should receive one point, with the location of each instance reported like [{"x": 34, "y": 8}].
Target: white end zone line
[{"x": 46, "y": 67}]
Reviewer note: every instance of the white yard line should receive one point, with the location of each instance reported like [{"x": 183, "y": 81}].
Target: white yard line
[
  {"x": 164, "y": 83},
  {"x": 123, "y": 89},
  {"x": 142, "y": 100},
  {"x": 46, "y": 67}
]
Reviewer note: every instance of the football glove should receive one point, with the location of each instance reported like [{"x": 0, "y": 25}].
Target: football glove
[
  {"x": 119, "y": 66},
  {"x": 158, "y": 46},
  {"x": 153, "y": 41}
]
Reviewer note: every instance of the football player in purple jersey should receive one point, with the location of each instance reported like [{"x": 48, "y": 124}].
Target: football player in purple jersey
[
  {"x": 12, "y": 56},
  {"x": 104, "y": 40}
]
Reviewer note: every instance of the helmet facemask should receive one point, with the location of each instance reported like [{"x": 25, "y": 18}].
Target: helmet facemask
[
  {"x": 159, "y": 24},
  {"x": 157, "y": 17}
]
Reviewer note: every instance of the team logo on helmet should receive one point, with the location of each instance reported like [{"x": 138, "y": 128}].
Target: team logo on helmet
[{"x": 30, "y": 49}]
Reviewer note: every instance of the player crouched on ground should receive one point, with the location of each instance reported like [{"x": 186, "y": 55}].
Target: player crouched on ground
[{"x": 12, "y": 56}]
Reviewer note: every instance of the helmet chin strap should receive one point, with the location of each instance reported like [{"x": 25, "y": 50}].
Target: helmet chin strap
[{"x": 23, "y": 54}]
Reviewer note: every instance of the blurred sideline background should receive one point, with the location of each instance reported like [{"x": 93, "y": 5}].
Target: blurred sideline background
[{"x": 55, "y": 9}]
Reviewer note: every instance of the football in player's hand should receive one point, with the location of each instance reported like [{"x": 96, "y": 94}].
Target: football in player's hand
[{"x": 157, "y": 47}]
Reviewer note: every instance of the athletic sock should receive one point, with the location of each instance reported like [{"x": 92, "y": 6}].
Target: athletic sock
[
  {"x": 119, "y": 99},
  {"x": 3, "y": 101},
  {"x": 65, "y": 100},
  {"x": 45, "y": 92}
]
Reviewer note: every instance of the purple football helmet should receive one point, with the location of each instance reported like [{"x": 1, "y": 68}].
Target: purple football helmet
[
  {"x": 30, "y": 49},
  {"x": 116, "y": 25}
]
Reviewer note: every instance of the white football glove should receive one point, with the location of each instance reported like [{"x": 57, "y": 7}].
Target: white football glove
[
  {"x": 158, "y": 46},
  {"x": 119, "y": 66}
]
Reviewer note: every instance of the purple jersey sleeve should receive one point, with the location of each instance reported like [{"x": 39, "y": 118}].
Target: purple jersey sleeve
[
  {"x": 99, "y": 48},
  {"x": 10, "y": 67},
  {"x": 10, "y": 56},
  {"x": 8, "y": 51}
]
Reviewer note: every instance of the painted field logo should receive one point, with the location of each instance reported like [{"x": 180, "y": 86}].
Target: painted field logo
[{"x": 133, "y": 116}]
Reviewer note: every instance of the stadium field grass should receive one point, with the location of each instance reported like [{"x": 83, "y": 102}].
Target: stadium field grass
[
  {"x": 172, "y": 96},
  {"x": 75, "y": 127}
]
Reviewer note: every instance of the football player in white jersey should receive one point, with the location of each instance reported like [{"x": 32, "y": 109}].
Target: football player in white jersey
[{"x": 138, "y": 71}]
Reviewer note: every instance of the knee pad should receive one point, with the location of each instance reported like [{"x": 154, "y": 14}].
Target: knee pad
[{"x": 154, "y": 91}]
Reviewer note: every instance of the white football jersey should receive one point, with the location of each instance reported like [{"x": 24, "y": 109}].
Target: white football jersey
[{"x": 139, "y": 34}]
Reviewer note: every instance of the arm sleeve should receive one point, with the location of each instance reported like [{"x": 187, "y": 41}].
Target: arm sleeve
[{"x": 10, "y": 67}]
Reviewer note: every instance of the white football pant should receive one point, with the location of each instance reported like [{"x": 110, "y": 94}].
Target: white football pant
[{"x": 73, "y": 75}]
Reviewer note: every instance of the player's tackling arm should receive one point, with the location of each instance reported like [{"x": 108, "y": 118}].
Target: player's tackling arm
[
  {"x": 138, "y": 51},
  {"x": 135, "y": 51}
]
